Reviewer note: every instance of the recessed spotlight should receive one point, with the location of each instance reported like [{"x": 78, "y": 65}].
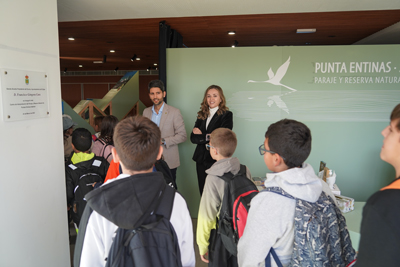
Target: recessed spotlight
[
  {"x": 231, "y": 33},
  {"x": 138, "y": 58},
  {"x": 71, "y": 38},
  {"x": 306, "y": 30},
  {"x": 155, "y": 64},
  {"x": 112, "y": 51},
  {"x": 80, "y": 66}
]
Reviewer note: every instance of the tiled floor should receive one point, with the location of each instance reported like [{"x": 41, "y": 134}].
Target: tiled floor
[{"x": 72, "y": 240}]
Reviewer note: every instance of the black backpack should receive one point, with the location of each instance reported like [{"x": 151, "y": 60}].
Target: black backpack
[
  {"x": 152, "y": 243},
  {"x": 83, "y": 186},
  {"x": 239, "y": 190},
  {"x": 162, "y": 166}
]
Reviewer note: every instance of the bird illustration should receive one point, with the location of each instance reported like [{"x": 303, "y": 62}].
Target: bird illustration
[{"x": 276, "y": 78}]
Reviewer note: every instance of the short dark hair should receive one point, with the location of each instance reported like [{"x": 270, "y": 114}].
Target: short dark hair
[
  {"x": 98, "y": 120},
  {"x": 224, "y": 140},
  {"x": 291, "y": 140},
  {"x": 137, "y": 140},
  {"x": 107, "y": 128},
  {"x": 82, "y": 139},
  {"x": 396, "y": 115},
  {"x": 158, "y": 84}
]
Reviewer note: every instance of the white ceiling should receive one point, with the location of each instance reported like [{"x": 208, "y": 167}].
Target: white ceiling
[{"x": 84, "y": 10}]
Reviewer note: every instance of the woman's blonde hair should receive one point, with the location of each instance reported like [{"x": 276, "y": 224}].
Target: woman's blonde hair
[{"x": 205, "y": 109}]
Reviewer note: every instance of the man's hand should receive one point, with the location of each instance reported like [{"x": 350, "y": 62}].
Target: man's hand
[
  {"x": 197, "y": 131},
  {"x": 203, "y": 258}
]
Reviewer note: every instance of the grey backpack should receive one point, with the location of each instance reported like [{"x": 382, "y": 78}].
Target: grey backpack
[{"x": 321, "y": 236}]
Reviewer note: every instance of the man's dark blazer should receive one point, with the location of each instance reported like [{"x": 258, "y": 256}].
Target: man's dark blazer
[{"x": 201, "y": 154}]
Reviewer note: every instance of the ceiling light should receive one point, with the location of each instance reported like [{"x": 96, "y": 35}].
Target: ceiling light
[
  {"x": 97, "y": 61},
  {"x": 80, "y": 66},
  {"x": 71, "y": 38},
  {"x": 235, "y": 43},
  {"x": 138, "y": 58},
  {"x": 155, "y": 64},
  {"x": 306, "y": 30},
  {"x": 112, "y": 51},
  {"x": 231, "y": 33},
  {"x": 134, "y": 57}
]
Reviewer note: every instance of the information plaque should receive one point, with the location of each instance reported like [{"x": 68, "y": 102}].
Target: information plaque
[{"x": 24, "y": 94}]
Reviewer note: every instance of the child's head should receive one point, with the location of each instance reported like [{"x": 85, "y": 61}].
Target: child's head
[
  {"x": 223, "y": 141},
  {"x": 291, "y": 140},
  {"x": 81, "y": 140},
  {"x": 97, "y": 123},
  {"x": 107, "y": 127},
  {"x": 390, "y": 151},
  {"x": 137, "y": 141}
]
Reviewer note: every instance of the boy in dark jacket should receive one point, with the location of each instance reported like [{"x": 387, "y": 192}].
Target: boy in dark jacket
[
  {"x": 82, "y": 171},
  {"x": 380, "y": 226}
]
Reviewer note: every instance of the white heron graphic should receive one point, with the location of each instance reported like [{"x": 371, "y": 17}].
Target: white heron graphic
[{"x": 275, "y": 79}]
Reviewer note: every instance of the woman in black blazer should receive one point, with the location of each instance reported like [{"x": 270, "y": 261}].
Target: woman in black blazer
[{"x": 213, "y": 114}]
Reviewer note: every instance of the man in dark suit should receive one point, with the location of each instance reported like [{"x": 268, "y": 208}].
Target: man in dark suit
[{"x": 170, "y": 122}]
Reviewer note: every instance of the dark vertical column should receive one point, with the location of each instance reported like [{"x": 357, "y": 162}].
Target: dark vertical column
[
  {"x": 168, "y": 38},
  {"x": 163, "y": 43}
]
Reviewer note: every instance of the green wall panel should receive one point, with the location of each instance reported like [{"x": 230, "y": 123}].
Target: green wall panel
[{"x": 344, "y": 106}]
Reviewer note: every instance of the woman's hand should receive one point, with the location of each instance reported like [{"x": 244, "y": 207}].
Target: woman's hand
[{"x": 196, "y": 131}]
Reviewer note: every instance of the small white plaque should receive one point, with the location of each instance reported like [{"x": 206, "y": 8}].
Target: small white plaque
[{"x": 24, "y": 94}]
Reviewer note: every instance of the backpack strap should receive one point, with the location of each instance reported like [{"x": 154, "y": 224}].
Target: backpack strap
[
  {"x": 268, "y": 260},
  {"x": 229, "y": 176},
  {"x": 393, "y": 185},
  {"x": 105, "y": 145},
  {"x": 279, "y": 191},
  {"x": 167, "y": 203}
]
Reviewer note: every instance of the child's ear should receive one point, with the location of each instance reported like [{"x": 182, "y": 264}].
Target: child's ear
[
  {"x": 74, "y": 149},
  {"x": 278, "y": 160},
  {"x": 115, "y": 155},
  {"x": 160, "y": 153}
]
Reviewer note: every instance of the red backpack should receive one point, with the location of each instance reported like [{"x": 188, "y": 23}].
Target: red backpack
[{"x": 239, "y": 191}]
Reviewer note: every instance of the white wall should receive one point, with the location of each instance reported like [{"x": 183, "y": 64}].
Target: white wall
[{"x": 33, "y": 224}]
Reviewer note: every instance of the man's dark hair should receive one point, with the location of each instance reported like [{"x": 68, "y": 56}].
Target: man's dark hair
[
  {"x": 291, "y": 140},
  {"x": 137, "y": 140},
  {"x": 396, "y": 115},
  {"x": 156, "y": 83},
  {"x": 82, "y": 139}
]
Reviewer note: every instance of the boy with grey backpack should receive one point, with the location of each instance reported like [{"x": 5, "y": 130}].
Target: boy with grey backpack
[{"x": 295, "y": 221}]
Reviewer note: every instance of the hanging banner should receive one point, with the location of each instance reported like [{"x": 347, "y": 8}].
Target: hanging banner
[{"x": 24, "y": 94}]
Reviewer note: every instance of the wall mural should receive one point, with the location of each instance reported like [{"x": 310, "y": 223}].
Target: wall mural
[{"x": 329, "y": 92}]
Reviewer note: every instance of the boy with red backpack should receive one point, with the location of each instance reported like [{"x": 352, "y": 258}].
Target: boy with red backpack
[
  {"x": 222, "y": 145},
  {"x": 380, "y": 226}
]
